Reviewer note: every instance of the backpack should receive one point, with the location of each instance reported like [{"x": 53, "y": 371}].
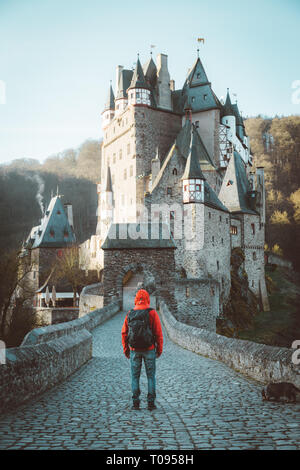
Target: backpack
[{"x": 139, "y": 332}]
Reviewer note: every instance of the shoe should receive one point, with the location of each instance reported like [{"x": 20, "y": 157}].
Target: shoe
[
  {"x": 151, "y": 406},
  {"x": 135, "y": 406}
]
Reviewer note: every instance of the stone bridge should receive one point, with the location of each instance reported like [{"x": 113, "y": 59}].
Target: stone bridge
[{"x": 202, "y": 403}]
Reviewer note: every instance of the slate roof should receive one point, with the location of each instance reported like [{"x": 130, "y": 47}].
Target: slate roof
[
  {"x": 124, "y": 83},
  {"x": 122, "y": 236},
  {"x": 235, "y": 187},
  {"x": 110, "y": 102},
  {"x": 227, "y": 109},
  {"x": 192, "y": 167},
  {"x": 53, "y": 228},
  {"x": 138, "y": 77}
]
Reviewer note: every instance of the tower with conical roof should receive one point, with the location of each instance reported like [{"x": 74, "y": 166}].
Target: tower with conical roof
[
  {"x": 193, "y": 178},
  {"x": 138, "y": 91},
  {"x": 109, "y": 108}
]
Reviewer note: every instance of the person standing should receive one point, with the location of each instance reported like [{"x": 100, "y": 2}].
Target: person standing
[{"x": 142, "y": 340}]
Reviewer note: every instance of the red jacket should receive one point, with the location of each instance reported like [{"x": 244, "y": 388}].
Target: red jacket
[{"x": 142, "y": 301}]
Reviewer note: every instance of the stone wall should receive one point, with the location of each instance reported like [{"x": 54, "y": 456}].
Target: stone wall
[
  {"x": 261, "y": 362},
  {"x": 91, "y": 298},
  {"x": 47, "y": 356},
  {"x": 197, "y": 302},
  {"x": 52, "y": 316}
]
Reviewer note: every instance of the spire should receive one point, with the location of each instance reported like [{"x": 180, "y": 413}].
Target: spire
[
  {"x": 138, "y": 78},
  {"x": 108, "y": 187},
  {"x": 227, "y": 108},
  {"x": 110, "y": 102},
  {"x": 192, "y": 167}
]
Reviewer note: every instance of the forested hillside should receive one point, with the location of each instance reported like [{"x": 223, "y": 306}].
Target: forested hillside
[
  {"x": 276, "y": 146},
  {"x": 26, "y": 187}
]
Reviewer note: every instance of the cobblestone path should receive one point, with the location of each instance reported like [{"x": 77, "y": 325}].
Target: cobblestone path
[{"x": 201, "y": 404}]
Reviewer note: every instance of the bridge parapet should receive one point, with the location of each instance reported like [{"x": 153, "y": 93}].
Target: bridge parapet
[
  {"x": 259, "y": 361},
  {"x": 47, "y": 356}
]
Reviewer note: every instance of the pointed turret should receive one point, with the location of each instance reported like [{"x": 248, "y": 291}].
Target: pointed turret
[
  {"x": 110, "y": 102},
  {"x": 138, "y": 78},
  {"x": 193, "y": 178},
  {"x": 227, "y": 109},
  {"x": 139, "y": 91},
  {"x": 109, "y": 108},
  {"x": 240, "y": 128}
]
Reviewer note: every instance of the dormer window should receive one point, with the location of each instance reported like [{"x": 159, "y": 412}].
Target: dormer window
[
  {"x": 204, "y": 97},
  {"x": 198, "y": 75},
  {"x": 193, "y": 99}
]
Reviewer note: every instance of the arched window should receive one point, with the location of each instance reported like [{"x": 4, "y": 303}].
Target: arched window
[{"x": 174, "y": 171}]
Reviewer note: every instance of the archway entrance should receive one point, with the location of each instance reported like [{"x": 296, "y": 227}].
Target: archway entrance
[{"x": 133, "y": 281}]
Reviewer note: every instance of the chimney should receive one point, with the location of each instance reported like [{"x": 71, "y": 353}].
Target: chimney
[
  {"x": 69, "y": 212},
  {"x": 163, "y": 80},
  {"x": 119, "y": 69}
]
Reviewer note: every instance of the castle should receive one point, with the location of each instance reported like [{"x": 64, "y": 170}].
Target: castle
[{"x": 186, "y": 150}]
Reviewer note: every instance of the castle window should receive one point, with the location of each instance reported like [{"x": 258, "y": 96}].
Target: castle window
[
  {"x": 187, "y": 291},
  {"x": 253, "y": 229},
  {"x": 213, "y": 239},
  {"x": 204, "y": 97},
  {"x": 209, "y": 215},
  {"x": 218, "y": 265},
  {"x": 197, "y": 124},
  {"x": 233, "y": 230},
  {"x": 198, "y": 75},
  {"x": 222, "y": 241},
  {"x": 120, "y": 154},
  {"x": 193, "y": 99},
  {"x": 226, "y": 220},
  {"x": 252, "y": 283},
  {"x": 220, "y": 218},
  {"x": 254, "y": 255},
  {"x": 169, "y": 191},
  {"x": 172, "y": 214},
  {"x": 174, "y": 172},
  {"x": 128, "y": 149}
]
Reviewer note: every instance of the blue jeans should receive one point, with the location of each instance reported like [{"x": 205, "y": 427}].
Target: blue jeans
[{"x": 136, "y": 359}]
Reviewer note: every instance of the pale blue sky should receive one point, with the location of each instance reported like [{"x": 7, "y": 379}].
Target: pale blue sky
[{"x": 57, "y": 57}]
